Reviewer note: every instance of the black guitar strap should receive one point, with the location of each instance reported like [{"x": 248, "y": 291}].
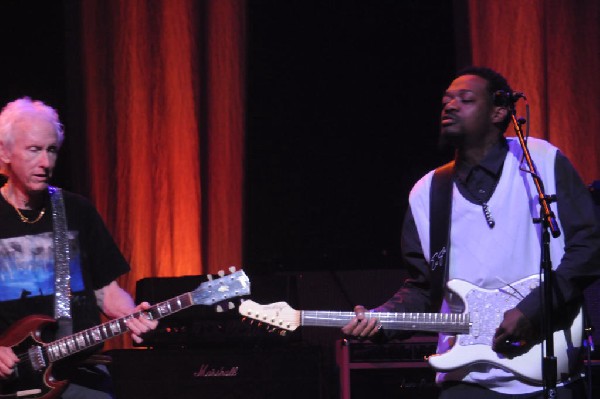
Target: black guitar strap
[{"x": 440, "y": 207}]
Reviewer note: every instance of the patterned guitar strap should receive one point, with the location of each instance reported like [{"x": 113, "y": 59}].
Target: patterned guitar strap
[
  {"x": 440, "y": 209},
  {"x": 62, "y": 274}
]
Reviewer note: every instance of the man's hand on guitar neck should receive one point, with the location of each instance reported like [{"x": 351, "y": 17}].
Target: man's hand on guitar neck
[
  {"x": 515, "y": 335},
  {"x": 141, "y": 324},
  {"x": 8, "y": 360},
  {"x": 118, "y": 303},
  {"x": 360, "y": 326}
]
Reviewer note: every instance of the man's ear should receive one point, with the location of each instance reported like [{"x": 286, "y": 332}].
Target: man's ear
[
  {"x": 499, "y": 114},
  {"x": 4, "y": 153}
]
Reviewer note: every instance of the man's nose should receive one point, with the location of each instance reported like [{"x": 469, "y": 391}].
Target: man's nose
[
  {"x": 451, "y": 105},
  {"x": 45, "y": 160}
]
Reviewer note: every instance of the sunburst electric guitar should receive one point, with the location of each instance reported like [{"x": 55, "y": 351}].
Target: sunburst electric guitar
[
  {"x": 474, "y": 328},
  {"x": 33, "y": 374}
]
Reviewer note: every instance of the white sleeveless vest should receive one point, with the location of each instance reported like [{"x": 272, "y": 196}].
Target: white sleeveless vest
[{"x": 494, "y": 257}]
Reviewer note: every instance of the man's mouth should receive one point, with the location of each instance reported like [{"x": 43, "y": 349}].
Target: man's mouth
[
  {"x": 448, "y": 120},
  {"x": 41, "y": 177}
]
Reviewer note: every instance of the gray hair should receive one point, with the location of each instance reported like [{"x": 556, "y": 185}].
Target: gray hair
[{"x": 22, "y": 108}]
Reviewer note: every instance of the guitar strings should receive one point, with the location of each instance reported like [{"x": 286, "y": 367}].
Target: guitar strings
[{"x": 509, "y": 285}]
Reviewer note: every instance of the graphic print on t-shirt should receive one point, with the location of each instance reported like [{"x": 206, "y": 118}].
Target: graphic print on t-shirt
[{"x": 27, "y": 266}]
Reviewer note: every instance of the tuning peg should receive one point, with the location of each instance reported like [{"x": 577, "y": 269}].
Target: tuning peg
[
  {"x": 209, "y": 277},
  {"x": 230, "y": 305},
  {"x": 282, "y": 333},
  {"x": 221, "y": 273},
  {"x": 219, "y": 309},
  {"x": 232, "y": 269}
]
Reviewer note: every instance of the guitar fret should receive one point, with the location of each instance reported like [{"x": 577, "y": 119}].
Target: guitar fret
[
  {"x": 115, "y": 328},
  {"x": 80, "y": 338},
  {"x": 185, "y": 300},
  {"x": 63, "y": 348},
  {"x": 162, "y": 309},
  {"x": 87, "y": 337},
  {"x": 71, "y": 344},
  {"x": 95, "y": 333},
  {"x": 51, "y": 351},
  {"x": 56, "y": 350}
]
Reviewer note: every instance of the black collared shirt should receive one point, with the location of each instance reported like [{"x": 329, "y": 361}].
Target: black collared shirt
[{"x": 477, "y": 182}]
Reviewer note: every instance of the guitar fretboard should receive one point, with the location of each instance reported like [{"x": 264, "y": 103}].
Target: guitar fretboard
[
  {"x": 85, "y": 339},
  {"x": 433, "y": 322}
]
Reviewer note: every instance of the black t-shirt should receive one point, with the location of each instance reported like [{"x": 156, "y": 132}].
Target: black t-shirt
[{"x": 27, "y": 262}]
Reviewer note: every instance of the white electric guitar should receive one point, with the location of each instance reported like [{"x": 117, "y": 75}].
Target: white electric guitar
[{"x": 474, "y": 328}]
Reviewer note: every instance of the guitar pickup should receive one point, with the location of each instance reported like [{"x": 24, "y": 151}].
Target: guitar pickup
[{"x": 36, "y": 358}]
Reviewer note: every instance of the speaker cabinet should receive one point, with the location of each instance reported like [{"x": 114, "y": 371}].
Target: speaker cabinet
[
  {"x": 394, "y": 383},
  {"x": 224, "y": 372},
  {"x": 397, "y": 369}
]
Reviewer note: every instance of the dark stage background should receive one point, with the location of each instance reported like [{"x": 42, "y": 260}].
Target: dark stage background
[
  {"x": 342, "y": 108},
  {"x": 343, "y": 101}
]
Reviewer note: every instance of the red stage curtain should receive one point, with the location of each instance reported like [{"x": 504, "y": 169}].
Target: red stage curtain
[
  {"x": 225, "y": 119},
  {"x": 549, "y": 49},
  {"x": 164, "y": 102}
]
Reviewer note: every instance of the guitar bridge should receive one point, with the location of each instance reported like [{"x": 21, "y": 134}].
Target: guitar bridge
[{"x": 36, "y": 358}]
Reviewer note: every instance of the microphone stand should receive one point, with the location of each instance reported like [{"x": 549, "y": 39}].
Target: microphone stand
[{"x": 549, "y": 226}]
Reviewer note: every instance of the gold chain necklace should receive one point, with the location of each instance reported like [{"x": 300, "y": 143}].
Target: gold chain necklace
[{"x": 24, "y": 218}]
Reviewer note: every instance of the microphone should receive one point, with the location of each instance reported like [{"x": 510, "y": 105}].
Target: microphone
[{"x": 507, "y": 97}]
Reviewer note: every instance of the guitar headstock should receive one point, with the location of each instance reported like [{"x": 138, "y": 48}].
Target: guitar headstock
[
  {"x": 225, "y": 287},
  {"x": 278, "y": 314}
]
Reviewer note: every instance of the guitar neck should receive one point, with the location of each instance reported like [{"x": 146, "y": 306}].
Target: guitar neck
[
  {"x": 431, "y": 322},
  {"x": 86, "y": 339}
]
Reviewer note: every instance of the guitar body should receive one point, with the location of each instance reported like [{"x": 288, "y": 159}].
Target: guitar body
[
  {"x": 26, "y": 381},
  {"x": 486, "y": 310},
  {"x": 33, "y": 377}
]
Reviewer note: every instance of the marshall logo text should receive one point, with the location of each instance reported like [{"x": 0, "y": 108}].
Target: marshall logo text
[{"x": 205, "y": 371}]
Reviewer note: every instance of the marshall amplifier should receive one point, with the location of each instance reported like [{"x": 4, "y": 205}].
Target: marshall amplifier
[{"x": 291, "y": 371}]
